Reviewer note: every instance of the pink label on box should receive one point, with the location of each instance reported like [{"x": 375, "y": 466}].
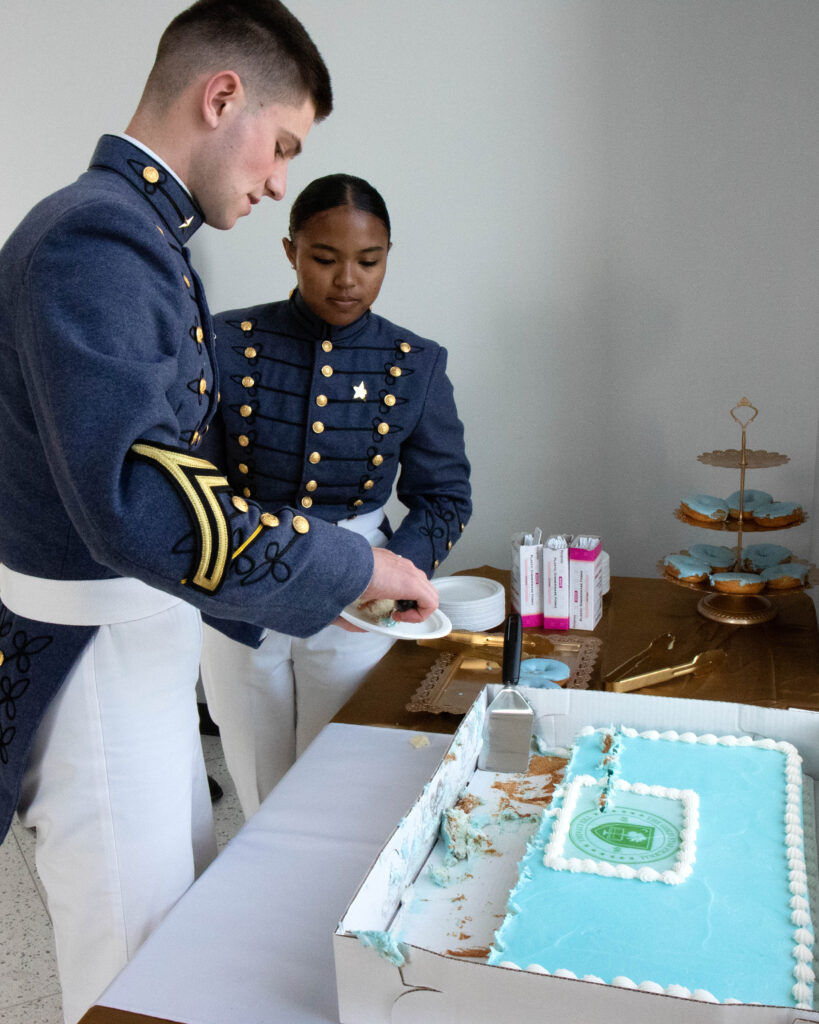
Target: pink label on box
[
  {"x": 585, "y": 554},
  {"x": 555, "y": 623},
  {"x": 530, "y": 620}
]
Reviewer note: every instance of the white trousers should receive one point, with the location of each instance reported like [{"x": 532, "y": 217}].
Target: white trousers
[
  {"x": 270, "y": 703},
  {"x": 117, "y": 790}
]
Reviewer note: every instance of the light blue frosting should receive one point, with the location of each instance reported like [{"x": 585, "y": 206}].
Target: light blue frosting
[
  {"x": 744, "y": 579},
  {"x": 795, "y": 569},
  {"x": 543, "y": 673},
  {"x": 716, "y": 555},
  {"x": 750, "y": 499},
  {"x": 776, "y": 509},
  {"x": 386, "y": 945},
  {"x": 762, "y": 556},
  {"x": 687, "y": 566},
  {"x": 707, "y": 505},
  {"x": 726, "y": 928}
]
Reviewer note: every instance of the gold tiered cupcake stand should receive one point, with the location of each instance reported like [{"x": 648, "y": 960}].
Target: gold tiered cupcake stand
[{"x": 737, "y": 609}]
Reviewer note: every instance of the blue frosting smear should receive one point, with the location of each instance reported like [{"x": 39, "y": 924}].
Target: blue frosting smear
[
  {"x": 543, "y": 673},
  {"x": 726, "y": 928},
  {"x": 386, "y": 945}
]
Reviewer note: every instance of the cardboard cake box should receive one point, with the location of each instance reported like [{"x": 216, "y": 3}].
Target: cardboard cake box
[{"x": 426, "y": 978}]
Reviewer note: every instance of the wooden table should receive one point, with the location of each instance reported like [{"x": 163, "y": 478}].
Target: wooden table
[{"x": 775, "y": 664}]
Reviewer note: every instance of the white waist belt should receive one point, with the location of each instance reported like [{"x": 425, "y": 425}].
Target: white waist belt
[
  {"x": 81, "y": 602},
  {"x": 363, "y": 524}
]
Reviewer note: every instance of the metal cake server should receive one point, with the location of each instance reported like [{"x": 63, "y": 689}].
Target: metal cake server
[{"x": 510, "y": 718}]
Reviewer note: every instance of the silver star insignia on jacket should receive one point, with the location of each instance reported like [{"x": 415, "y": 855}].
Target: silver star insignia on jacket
[{"x": 359, "y": 391}]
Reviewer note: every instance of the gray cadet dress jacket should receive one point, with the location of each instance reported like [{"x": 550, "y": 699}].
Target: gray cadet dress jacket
[
  {"x": 324, "y": 418},
  {"x": 107, "y": 385}
]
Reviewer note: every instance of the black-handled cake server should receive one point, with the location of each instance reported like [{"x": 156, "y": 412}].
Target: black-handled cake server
[{"x": 510, "y": 719}]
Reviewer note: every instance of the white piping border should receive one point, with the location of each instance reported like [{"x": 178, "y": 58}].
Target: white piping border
[{"x": 673, "y": 876}]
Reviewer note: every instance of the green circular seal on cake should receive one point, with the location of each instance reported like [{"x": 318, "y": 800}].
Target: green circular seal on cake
[{"x": 625, "y": 835}]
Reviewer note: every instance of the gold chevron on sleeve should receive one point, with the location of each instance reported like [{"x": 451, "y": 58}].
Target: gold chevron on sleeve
[{"x": 198, "y": 481}]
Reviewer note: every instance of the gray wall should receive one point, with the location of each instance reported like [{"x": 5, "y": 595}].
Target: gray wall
[{"x": 607, "y": 210}]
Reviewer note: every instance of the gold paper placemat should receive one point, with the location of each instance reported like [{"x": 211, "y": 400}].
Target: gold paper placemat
[{"x": 454, "y": 681}]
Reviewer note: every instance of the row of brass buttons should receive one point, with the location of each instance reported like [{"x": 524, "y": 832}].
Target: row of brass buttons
[
  {"x": 317, "y": 427},
  {"x": 300, "y": 524},
  {"x": 151, "y": 175}
]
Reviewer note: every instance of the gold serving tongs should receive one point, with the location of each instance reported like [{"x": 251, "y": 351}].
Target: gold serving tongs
[
  {"x": 701, "y": 664},
  {"x": 665, "y": 641},
  {"x": 494, "y": 641}
]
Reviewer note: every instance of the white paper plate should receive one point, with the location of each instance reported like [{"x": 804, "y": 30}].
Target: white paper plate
[
  {"x": 471, "y": 602},
  {"x": 467, "y": 589},
  {"x": 435, "y": 626}
]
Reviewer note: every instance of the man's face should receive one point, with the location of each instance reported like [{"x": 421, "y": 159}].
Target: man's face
[{"x": 246, "y": 159}]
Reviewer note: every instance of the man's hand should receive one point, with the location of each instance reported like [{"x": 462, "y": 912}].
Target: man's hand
[{"x": 397, "y": 578}]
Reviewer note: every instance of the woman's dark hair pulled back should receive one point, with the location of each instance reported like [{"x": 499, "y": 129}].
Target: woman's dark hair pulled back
[{"x": 337, "y": 190}]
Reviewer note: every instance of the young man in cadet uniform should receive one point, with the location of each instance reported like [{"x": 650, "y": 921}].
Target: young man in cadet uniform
[{"x": 115, "y": 531}]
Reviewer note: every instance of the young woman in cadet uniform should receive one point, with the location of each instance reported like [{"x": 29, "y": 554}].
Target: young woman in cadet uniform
[{"x": 325, "y": 404}]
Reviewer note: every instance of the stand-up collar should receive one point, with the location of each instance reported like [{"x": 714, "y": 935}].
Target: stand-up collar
[
  {"x": 316, "y": 327},
  {"x": 178, "y": 210}
]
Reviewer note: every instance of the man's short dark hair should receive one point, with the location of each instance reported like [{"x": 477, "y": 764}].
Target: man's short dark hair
[{"x": 266, "y": 45}]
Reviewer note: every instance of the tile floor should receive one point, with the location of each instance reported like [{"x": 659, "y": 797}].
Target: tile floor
[{"x": 29, "y": 989}]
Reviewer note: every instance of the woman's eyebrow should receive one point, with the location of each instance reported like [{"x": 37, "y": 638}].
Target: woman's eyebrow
[{"x": 331, "y": 248}]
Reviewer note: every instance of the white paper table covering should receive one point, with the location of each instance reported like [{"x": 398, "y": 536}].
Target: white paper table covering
[{"x": 252, "y": 940}]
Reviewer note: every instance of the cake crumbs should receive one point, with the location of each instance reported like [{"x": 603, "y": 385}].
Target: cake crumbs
[
  {"x": 475, "y": 953},
  {"x": 468, "y": 803}
]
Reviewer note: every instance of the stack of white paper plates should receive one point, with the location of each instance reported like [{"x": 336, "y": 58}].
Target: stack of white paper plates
[{"x": 471, "y": 602}]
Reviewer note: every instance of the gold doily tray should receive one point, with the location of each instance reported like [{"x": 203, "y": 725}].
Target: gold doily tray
[
  {"x": 732, "y": 525},
  {"x": 455, "y": 679},
  {"x": 733, "y": 458},
  {"x": 811, "y": 580}
]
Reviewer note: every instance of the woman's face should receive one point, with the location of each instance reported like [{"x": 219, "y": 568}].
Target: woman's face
[{"x": 340, "y": 258}]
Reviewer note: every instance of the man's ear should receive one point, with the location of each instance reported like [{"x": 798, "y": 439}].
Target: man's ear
[{"x": 221, "y": 93}]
